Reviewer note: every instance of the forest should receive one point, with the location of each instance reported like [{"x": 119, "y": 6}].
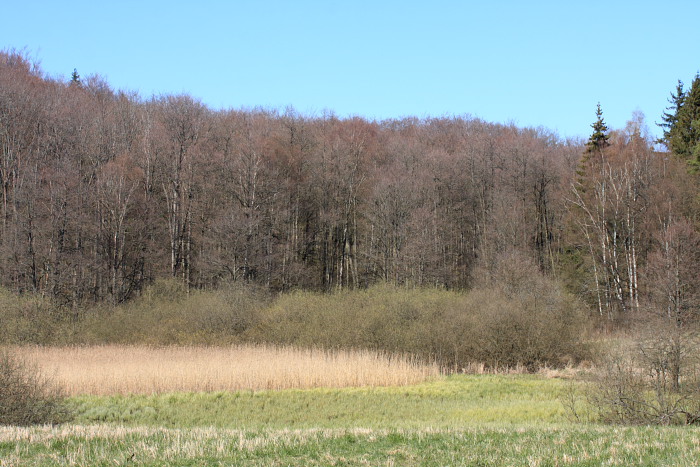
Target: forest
[{"x": 105, "y": 192}]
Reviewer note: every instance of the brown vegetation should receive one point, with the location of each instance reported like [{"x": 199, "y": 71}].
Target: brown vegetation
[
  {"x": 161, "y": 221},
  {"x": 27, "y": 397},
  {"x": 104, "y": 192},
  {"x": 111, "y": 369}
]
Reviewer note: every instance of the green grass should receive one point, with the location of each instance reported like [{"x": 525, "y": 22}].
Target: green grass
[
  {"x": 476, "y": 446},
  {"x": 459, "y": 420},
  {"x": 457, "y": 401}
]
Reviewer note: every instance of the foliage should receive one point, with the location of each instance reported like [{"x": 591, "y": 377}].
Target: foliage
[
  {"x": 599, "y": 138},
  {"x": 670, "y": 117},
  {"x": 26, "y": 396},
  {"x": 682, "y": 129}
]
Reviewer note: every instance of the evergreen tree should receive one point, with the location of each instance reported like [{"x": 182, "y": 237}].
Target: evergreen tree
[
  {"x": 670, "y": 117},
  {"x": 75, "y": 78},
  {"x": 599, "y": 138},
  {"x": 684, "y": 134}
]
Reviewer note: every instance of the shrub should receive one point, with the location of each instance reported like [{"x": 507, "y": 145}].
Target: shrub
[
  {"x": 538, "y": 326},
  {"x": 30, "y": 319},
  {"x": 166, "y": 314},
  {"x": 27, "y": 397},
  {"x": 652, "y": 378}
]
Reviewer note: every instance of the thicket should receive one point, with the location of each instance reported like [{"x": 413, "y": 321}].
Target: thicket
[
  {"x": 31, "y": 318},
  {"x": 517, "y": 317},
  {"x": 167, "y": 314},
  {"x": 514, "y": 318},
  {"x": 26, "y": 396},
  {"x": 651, "y": 378}
]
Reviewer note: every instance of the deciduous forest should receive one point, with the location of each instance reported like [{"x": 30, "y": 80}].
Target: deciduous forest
[{"x": 104, "y": 192}]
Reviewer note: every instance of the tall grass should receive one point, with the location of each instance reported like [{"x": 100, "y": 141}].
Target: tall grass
[{"x": 114, "y": 369}]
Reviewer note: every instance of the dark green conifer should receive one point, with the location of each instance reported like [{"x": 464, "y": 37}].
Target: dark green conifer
[
  {"x": 75, "y": 77},
  {"x": 670, "y": 117},
  {"x": 599, "y": 139},
  {"x": 684, "y": 133}
]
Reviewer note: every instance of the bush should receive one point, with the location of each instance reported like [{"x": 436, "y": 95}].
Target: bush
[
  {"x": 26, "y": 397},
  {"x": 650, "y": 379},
  {"x": 498, "y": 326},
  {"x": 166, "y": 314},
  {"x": 30, "y": 319}
]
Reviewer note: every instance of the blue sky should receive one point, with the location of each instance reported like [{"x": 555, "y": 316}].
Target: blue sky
[{"x": 531, "y": 63}]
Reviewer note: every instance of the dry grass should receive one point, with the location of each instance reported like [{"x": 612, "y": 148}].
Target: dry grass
[{"x": 113, "y": 369}]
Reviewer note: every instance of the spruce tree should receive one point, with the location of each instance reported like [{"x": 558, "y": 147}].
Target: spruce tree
[
  {"x": 75, "y": 78},
  {"x": 684, "y": 134},
  {"x": 670, "y": 117},
  {"x": 599, "y": 139}
]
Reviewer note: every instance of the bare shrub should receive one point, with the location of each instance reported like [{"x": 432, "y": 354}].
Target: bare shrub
[
  {"x": 29, "y": 318},
  {"x": 165, "y": 314},
  {"x": 540, "y": 325},
  {"x": 656, "y": 378},
  {"x": 526, "y": 318},
  {"x": 26, "y": 396},
  {"x": 652, "y": 379}
]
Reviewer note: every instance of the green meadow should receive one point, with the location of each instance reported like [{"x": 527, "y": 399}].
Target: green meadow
[
  {"x": 477, "y": 420},
  {"x": 454, "y": 401}
]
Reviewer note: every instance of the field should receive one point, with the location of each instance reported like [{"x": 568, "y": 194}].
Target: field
[
  {"x": 114, "y": 369},
  {"x": 476, "y": 446},
  {"x": 439, "y": 420}
]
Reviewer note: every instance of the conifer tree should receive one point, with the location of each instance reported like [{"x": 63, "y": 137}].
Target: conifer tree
[
  {"x": 599, "y": 138},
  {"x": 684, "y": 134},
  {"x": 670, "y": 117},
  {"x": 75, "y": 78}
]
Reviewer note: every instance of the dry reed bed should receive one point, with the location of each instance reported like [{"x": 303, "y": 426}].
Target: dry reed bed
[{"x": 113, "y": 369}]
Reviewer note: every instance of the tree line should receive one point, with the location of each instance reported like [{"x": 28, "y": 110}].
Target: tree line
[{"x": 104, "y": 191}]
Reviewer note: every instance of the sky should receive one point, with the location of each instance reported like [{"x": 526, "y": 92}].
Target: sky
[{"x": 529, "y": 63}]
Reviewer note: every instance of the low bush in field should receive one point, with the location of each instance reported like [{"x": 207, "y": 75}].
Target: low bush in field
[
  {"x": 166, "y": 314},
  {"x": 651, "y": 378},
  {"x": 30, "y": 318},
  {"x": 495, "y": 326},
  {"x": 26, "y": 397}
]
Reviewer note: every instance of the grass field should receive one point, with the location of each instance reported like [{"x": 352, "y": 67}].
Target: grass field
[
  {"x": 455, "y": 401},
  {"x": 476, "y": 446},
  {"x": 478, "y": 420}
]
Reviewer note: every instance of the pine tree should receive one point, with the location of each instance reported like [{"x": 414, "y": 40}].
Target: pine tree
[
  {"x": 684, "y": 134},
  {"x": 75, "y": 78},
  {"x": 670, "y": 117},
  {"x": 599, "y": 139}
]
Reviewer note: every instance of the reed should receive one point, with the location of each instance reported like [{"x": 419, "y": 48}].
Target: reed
[{"x": 117, "y": 369}]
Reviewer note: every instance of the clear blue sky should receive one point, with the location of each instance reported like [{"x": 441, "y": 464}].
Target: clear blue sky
[{"x": 531, "y": 63}]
